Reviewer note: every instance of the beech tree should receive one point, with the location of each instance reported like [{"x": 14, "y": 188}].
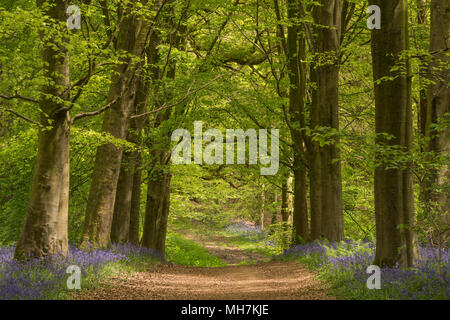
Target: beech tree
[
  {"x": 394, "y": 206},
  {"x": 434, "y": 117},
  {"x": 45, "y": 230},
  {"x": 326, "y": 184},
  {"x": 132, "y": 37}
]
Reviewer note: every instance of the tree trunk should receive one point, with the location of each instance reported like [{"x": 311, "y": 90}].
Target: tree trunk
[
  {"x": 296, "y": 52},
  {"x": 394, "y": 211},
  {"x": 120, "y": 230},
  {"x": 97, "y": 227},
  {"x": 135, "y": 210},
  {"x": 300, "y": 216},
  {"x": 327, "y": 45},
  {"x": 290, "y": 199},
  {"x": 284, "y": 202},
  {"x": 262, "y": 208},
  {"x": 45, "y": 231},
  {"x": 120, "y": 226},
  {"x": 157, "y": 207},
  {"x": 275, "y": 209},
  {"x": 159, "y": 176},
  {"x": 435, "y": 186},
  {"x": 315, "y": 172}
]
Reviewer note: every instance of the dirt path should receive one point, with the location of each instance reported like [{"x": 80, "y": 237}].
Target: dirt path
[
  {"x": 261, "y": 281},
  {"x": 219, "y": 247}
]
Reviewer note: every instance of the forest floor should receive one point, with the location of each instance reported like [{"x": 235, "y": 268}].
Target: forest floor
[{"x": 248, "y": 275}]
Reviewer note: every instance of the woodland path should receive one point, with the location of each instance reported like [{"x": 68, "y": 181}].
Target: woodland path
[{"x": 263, "y": 280}]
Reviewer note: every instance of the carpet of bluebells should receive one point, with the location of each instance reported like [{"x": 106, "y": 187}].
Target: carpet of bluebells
[
  {"x": 47, "y": 279},
  {"x": 247, "y": 231},
  {"x": 344, "y": 265}
]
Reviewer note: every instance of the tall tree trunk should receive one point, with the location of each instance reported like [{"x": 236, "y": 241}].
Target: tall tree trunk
[
  {"x": 152, "y": 60},
  {"x": 290, "y": 199},
  {"x": 97, "y": 227},
  {"x": 120, "y": 229},
  {"x": 262, "y": 207},
  {"x": 315, "y": 172},
  {"x": 158, "y": 203},
  {"x": 45, "y": 230},
  {"x": 159, "y": 176},
  {"x": 436, "y": 182},
  {"x": 328, "y": 17},
  {"x": 158, "y": 189},
  {"x": 120, "y": 225},
  {"x": 284, "y": 202},
  {"x": 135, "y": 210},
  {"x": 275, "y": 209},
  {"x": 300, "y": 215},
  {"x": 394, "y": 211},
  {"x": 423, "y": 99},
  {"x": 296, "y": 52}
]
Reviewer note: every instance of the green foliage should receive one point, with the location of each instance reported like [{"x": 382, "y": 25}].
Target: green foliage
[
  {"x": 180, "y": 250},
  {"x": 280, "y": 237}
]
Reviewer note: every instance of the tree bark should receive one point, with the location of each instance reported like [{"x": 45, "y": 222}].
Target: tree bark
[
  {"x": 126, "y": 189},
  {"x": 296, "y": 52},
  {"x": 284, "y": 202},
  {"x": 328, "y": 17},
  {"x": 300, "y": 216},
  {"x": 394, "y": 211},
  {"x": 135, "y": 210},
  {"x": 158, "y": 203},
  {"x": 262, "y": 208},
  {"x": 435, "y": 190},
  {"x": 97, "y": 227},
  {"x": 315, "y": 172},
  {"x": 45, "y": 230},
  {"x": 159, "y": 176},
  {"x": 120, "y": 226},
  {"x": 158, "y": 191}
]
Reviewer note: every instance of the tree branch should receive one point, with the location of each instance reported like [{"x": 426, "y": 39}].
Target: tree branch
[
  {"x": 188, "y": 93},
  {"x": 17, "y": 96},
  {"x": 19, "y": 115},
  {"x": 94, "y": 113}
]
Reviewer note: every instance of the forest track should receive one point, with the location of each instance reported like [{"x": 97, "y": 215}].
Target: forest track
[
  {"x": 261, "y": 280},
  {"x": 273, "y": 280},
  {"x": 220, "y": 247}
]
